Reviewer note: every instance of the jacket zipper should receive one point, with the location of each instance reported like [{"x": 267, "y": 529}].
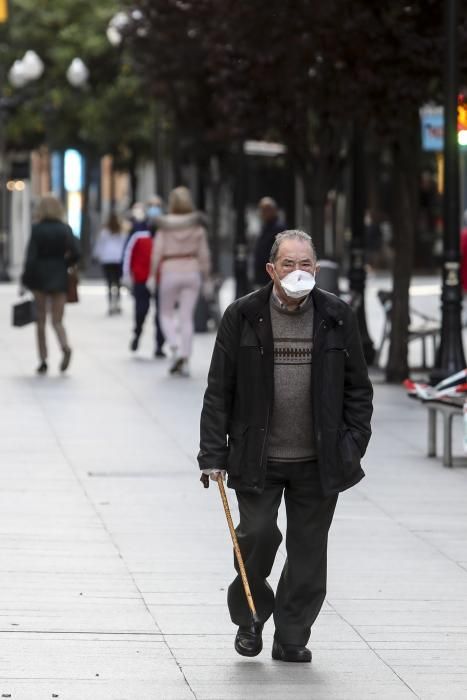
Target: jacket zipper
[
  {"x": 317, "y": 433},
  {"x": 317, "y": 331},
  {"x": 266, "y": 430}
]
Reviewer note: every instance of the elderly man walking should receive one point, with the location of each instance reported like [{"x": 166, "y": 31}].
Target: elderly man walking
[{"x": 286, "y": 413}]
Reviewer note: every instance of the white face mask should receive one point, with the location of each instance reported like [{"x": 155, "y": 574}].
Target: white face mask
[{"x": 298, "y": 284}]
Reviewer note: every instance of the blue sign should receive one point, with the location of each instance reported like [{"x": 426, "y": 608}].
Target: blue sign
[
  {"x": 73, "y": 170},
  {"x": 432, "y": 130}
]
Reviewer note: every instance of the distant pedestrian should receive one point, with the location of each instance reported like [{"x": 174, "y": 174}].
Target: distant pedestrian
[
  {"x": 136, "y": 268},
  {"x": 272, "y": 224},
  {"x": 153, "y": 210},
  {"x": 51, "y": 250},
  {"x": 109, "y": 252},
  {"x": 181, "y": 257}
]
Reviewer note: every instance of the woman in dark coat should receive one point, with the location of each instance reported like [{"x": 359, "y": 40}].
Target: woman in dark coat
[{"x": 51, "y": 250}]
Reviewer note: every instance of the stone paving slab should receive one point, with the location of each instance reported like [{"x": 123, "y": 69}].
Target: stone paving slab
[{"x": 114, "y": 561}]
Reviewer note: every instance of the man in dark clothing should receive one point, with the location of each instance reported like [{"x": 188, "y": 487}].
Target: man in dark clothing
[
  {"x": 286, "y": 413},
  {"x": 272, "y": 225},
  {"x": 136, "y": 266},
  {"x": 136, "y": 273}
]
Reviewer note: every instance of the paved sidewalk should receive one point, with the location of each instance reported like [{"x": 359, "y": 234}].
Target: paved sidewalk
[{"x": 114, "y": 562}]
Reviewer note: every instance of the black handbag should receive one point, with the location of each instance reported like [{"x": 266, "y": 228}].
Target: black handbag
[{"x": 23, "y": 313}]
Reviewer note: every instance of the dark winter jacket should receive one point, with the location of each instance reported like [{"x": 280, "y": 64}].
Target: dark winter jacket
[
  {"x": 263, "y": 246},
  {"x": 238, "y": 401},
  {"x": 51, "y": 250}
]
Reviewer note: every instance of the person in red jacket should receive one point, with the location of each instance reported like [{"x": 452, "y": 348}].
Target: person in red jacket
[{"x": 136, "y": 268}]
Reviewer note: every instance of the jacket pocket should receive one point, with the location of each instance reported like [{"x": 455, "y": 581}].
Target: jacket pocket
[
  {"x": 333, "y": 380},
  {"x": 237, "y": 447},
  {"x": 348, "y": 452},
  {"x": 337, "y": 355}
]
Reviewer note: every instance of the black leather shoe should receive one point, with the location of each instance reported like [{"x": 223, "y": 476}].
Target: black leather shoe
[
  {"x": 64, "y": 364},
  {"x": 248, "y": 641},
  {"x": 290, "y": 652}
]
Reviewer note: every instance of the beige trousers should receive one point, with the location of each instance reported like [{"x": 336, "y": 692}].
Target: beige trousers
[
  {"x": 55, "y": 303},
  {"x": 181, "y": 290}
]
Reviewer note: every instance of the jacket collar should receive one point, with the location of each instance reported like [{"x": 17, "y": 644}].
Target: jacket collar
[
  {"x": 327, "y": 305},
  {"x": 253, "y": 305}
]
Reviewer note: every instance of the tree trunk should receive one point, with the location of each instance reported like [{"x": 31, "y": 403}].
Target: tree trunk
[
  {"x": 85, "y": 221},
  {"x": 202, "y": 177},
  {"x": 215, "y": 186},
  {"x": 317, "y": 187},
  {"x": 112, "y": 187},
  {"x": 404, "y": 215},
  {"x": 133, "y": 175},
  {"x": 317, "y": 225},
  {"x": 158, "y": 164}
]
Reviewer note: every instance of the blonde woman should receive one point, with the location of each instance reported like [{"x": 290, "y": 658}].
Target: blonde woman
[
  {"x": 181, "y": 260},
  {"x": 51, "y": 250}
]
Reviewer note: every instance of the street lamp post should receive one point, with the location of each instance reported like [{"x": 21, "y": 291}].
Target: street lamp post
[
  {"x": 24, "y": 71},
  {"x": 450, "y": 357}
]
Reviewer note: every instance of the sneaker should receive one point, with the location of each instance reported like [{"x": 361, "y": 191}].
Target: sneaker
[
  {"x": 64, "y": 364},
  {"x": 42, "y": 369},
  {"x": 180, "y": 368},
  {"x": 184, "y": 370},
  {"x": 176, "y": 366}
]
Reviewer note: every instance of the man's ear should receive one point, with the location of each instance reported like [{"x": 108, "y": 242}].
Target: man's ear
[
  {"x": 270, "y": 270},
  {"x": 316, "y": 270}
]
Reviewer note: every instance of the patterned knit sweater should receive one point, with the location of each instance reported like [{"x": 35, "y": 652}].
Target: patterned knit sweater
[{"x": 291, "y": 433}]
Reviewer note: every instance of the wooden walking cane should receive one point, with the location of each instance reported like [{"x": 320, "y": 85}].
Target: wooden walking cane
[{"x": 238, "y": 553}]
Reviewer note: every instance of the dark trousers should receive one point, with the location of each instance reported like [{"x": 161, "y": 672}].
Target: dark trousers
[
  {"x": 112, "y": 273},
  {"x": 142, "y": 303},
  {"x": 302, "y": 585}
]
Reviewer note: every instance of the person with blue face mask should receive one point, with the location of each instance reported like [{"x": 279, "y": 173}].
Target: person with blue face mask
[
  {"x": 286, "y": 414},
  {"x": 154, "y": 210}
]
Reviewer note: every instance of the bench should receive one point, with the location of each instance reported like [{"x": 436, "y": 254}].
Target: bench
[
  {"x": 449, "y": 407},
  {"x": 424, "y": 328}
]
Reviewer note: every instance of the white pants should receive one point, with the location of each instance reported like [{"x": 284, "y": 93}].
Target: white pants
[{"x": 180, "y": 288}]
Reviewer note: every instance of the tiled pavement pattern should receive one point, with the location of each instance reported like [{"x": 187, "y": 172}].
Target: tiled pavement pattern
[{"x": 114, "y": 561}]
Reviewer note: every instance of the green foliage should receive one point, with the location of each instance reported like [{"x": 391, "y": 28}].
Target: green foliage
[
  {"x": 111, "y": 114},
  {"x": 301, "y": 71}
]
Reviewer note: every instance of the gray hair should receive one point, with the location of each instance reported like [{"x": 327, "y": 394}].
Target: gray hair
[
  {"x": 267, "y": 202},
  {"x": 292, "y": 234}
]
